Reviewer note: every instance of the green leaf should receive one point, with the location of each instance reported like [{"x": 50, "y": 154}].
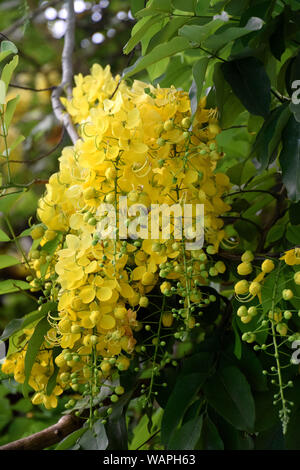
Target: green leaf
[
  {"x": 273, "y": 285},
  {"x": 290, "y": 158},
  {"x": 266, "y": 415},
  {"x": 293, "y": 234},
  {"x": 71, "y": 439},
  {"x": 141, "y": 432},
  {"x": 4, "y": 54},
  {"x": 95, "y": 438},
  {"x": 8, "y": 200},
  {"x": 6, "y": 261},
  {"x": 136, "y": 5},
  {"x": 252, "y": 368},
  {"x": 18, "y": 324},
  {"x": 229, "y": 393},
  {"x": 177, "y": 74},
  {"x": 2, "y": 92},
  {"x": 8, "y": 70},
  {"x": 229, "y": 106},
  {"x": 16, "y": 142},
  {"x": 33, "y": 348},
  {"x": 269, "y": 136},
  {"x": 210, "y": 438},
  {"x": 277, "y": 38},
  {"x": 8, "y": 46},
  {"x": 10, "y": 110},
  {"x": 169, "y": 30},
  {"x": 199, "y": 72},
  {"x": 52, "y": 381},
  {"x": 154, "y": 7},
  {"x": 13, "y": 285},
  {"x": 250, "y": 83},
  {"x": 160, "y": 52},
  {"x": 294, "y": 213},
  {"x": 237, "y": 343},
  {"x": 181, "y": 397},
  {"x": 5, "y": 412},
  {"x": 221, "y": 39},
  {"x": 185, "y": 5},
  {"x": 4, "y": 237},
  {"x": 139, "y": 30},
  {"x": 157, "y": 69},
  {"x": 187, "y": 436},
  {"x": 198, "y": 33},
  {"x": 116, "y": 427},
  {"x": 275, "y": 233}
]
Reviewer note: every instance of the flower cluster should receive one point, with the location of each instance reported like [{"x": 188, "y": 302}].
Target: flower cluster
[{"x": 137, "y": 142}]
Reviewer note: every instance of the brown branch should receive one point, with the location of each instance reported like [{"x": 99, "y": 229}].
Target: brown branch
[
  {"x": 47, "y": 437},
  {"x": 21, "y": 87}
]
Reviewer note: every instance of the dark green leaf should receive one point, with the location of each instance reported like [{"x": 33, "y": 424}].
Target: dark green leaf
[
  {"x": 229, "y": 393},
  {"x": 277, "y": 38},
  {"x": 210, "y": 438},
  {"x": 237, "y": 343},
  {"x": 5, "y": 412},
  {"x": 71, "y": 439},
  {"x": 33, "y": 348},
  {"x": 294, "y": 213},
  {"x": 52, "y": 381},
  {"x": 181, "y": 397},
  {"x": 266, "y": 413},
  {"x": 250, "y": 83},
  {"x": 229, "y": 106},
  {"x": 136, "y": 5},
  {"x": 187, "y": 436},
  {"x": 252, "y": 368},
  {"x": 269, "y": 136},
  {"x": 116, "y": 427},
  {"x": 293, "y": 234},
  {"x": 275, "y": 233},
  {"x": 290, "y": 158}
]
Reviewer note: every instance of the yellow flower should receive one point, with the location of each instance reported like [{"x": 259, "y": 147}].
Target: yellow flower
[{"x": 292, "y": 257}]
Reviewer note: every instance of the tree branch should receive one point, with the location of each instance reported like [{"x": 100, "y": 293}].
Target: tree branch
[
  {"x": 47, "y": 437},
  {"x": 67, "y": 76}
]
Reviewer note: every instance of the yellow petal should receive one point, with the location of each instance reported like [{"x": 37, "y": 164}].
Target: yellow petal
[{"x": 107, "y": 322}]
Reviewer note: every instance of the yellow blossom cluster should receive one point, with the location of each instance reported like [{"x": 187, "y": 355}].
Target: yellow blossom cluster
[{"x": 136, "y": 142}]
